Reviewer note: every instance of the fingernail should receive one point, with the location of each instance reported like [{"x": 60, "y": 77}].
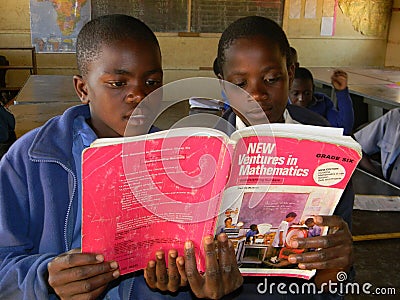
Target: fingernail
[
  {"x": 114, "y": 265},
  {"x": 116, "y": 274},
  {"x": 99, "y": 257},
  {"x": 180, "y": 261},
  {"x": 223, "y": 237},
  {"x": 292, "y": 259},
  {"x": 159, "y": 256},
  {"x": 172, "y": 254},
  {"x": 294, "y": 244},
  {"x": 188, "y": 245},
  {"x": 301, "y": 266},
  {"x": 208, "y": 240}
]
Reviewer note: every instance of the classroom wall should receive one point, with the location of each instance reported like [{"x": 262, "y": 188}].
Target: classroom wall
[
  {"x": 189, "y": 56},
  {"x": 393, "y": 44}
]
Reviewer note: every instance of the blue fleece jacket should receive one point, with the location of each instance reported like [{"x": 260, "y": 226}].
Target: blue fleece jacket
[
  {"x": 38, "y": 205},
  {"x": 342, "y": 117}
]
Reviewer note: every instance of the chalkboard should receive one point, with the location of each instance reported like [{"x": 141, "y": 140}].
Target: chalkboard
[
  {"x": 203, "y": 15},
  {"x": 159, "y": 15},
  {"x": 215, "y": 16}
]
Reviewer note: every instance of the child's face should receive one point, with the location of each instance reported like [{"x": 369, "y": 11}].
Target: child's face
[
  {"x": 301, "y": 92},
  {"x": 258, "y": 66},
  {"x": 122, "y": 76}
]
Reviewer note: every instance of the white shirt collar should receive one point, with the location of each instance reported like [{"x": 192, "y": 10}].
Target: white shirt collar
[{"x": 286, "y": 116}]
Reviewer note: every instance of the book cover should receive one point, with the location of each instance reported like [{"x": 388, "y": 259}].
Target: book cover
[
  {"x": 154, "y": 192},
  {"x": 277, "y": 171},
  {"x": 149, "y": 193}
]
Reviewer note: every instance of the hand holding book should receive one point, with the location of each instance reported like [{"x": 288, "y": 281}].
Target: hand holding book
[
  {"x": 335, "y": 250},
  {"x": 221, "y": 277}
]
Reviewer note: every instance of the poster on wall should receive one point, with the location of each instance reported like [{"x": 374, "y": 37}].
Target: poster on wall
[{"x": 55, "y": 24}]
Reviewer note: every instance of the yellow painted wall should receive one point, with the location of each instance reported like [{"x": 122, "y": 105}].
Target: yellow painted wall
[
  {"x": 393, "y": 45},
  {"x": 183, "y": 56}
]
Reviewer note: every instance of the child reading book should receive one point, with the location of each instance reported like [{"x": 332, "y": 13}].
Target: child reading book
[
  {"x": 253, "y": 53},
  {"x": 119, "y": 61}
]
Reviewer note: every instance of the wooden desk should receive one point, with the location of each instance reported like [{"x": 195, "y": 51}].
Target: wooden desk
[
  {"x": 367, "y": 184},
  {"x": 47, "y": 88},
  {"x": 323, "y": 75},
  {"x": 31, "y": 115},
  {"x": 374, "y": 86},
  {"x": 387, "y": 74},
  {"x": 378, "y": 98}
]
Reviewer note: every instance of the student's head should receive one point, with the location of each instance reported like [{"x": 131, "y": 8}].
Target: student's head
[
  {"x": 302, "y": 90},
  {"x": 253, "y": 227},
  {"x": 309, "y": 222},
  {"x": 119, "y": 61},
  {"x": 228, "y": 221},
  {"x": 254, "y": 53},
  {"x": 294, "y": 58},
  {"x": 291, "y": 216}
]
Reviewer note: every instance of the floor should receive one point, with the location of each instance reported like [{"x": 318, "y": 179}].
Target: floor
[{"x": 377, "y": 261}]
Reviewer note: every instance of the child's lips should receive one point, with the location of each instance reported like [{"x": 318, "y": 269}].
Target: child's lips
[{"x": 137, "y": 120}]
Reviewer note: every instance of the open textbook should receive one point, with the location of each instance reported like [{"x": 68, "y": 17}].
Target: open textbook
[{"x": 151, "y": 192}]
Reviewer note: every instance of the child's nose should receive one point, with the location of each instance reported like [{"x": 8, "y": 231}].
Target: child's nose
[
  {"x": 257, "y": 91},
  {"x": 136, "y": 94}
]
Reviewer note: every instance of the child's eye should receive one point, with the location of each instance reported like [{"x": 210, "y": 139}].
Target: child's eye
[
  {"x": 240, "y": 84},
  {"x": 117, "y": 84},
  {"x": 153, "y": 82},
  {"x": 272, "y": 80}
]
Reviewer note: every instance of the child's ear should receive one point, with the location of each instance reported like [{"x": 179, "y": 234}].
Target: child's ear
[
  {"x": 291, "y": 69},
  {"x": 81, "y": 89}
]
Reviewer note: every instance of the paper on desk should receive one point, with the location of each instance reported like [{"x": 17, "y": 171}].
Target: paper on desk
[{"x": 377, "y": 202}]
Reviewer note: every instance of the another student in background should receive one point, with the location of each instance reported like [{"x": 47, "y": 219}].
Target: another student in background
[
  {"x": 313, "y": 229},
  {"x": 302, "y": 93},
  {"x": 252, "y": 233},
  {"x": 119, "y": 61},
  {"x": 294, "y": 58},
  {"x": 7, "y": 129},
  {"x": 253, "y": 53},
  {"x": 382, "y": 137}
]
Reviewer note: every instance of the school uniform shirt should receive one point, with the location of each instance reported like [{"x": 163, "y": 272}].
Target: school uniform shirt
[
  {"x": 314, "y": 231},
  {"x": 342, "y": 116},
  {"x": 283, "y": 227},
  {"x": 286, "y": 116},
  {"x": 383, "y": 136}
]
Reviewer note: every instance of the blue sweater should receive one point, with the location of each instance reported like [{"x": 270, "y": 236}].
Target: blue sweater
[
  {"x": 342, "y": 117},
  {"x": 38, "y": 205}
]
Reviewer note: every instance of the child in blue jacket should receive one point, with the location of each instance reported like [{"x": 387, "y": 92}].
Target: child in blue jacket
[
  {"x": 302, "y": 94},
  {"x": 119, "y": 61}
]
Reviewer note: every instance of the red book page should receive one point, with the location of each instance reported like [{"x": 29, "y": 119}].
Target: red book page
[{"x": 142, "y": 196}]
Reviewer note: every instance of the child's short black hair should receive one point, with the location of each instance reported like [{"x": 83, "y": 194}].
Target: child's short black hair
[
  {"x": 309, "y": 221},
  {"x": 106, "y": 30},
  {"x": 254, "y": 227},
  {"x": 291, "y": 215},
  {"x": 303, "y": 73},
  {"x": 228, "y": 218},
  {"x": 252, "y": 26}
]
